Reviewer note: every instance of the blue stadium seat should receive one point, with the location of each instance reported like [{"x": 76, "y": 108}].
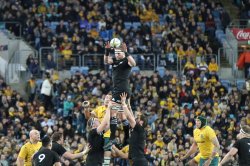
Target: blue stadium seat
[
  {"x": 84, "y": 70},
  {"x": 128, "y": 25},
  {"x": 202, "y": 25},
  {"x": 240, "y": 84},
  {"x": 136, "y": 25},
  {"x": 74, "y": 69},
  {"x": 218, "y": 31},
  {"x": 135, "y": 69},
  {"x": 161, "y": 71},
  {"x": 226, "y": 83},
  {"x": 216, "y": 14}
]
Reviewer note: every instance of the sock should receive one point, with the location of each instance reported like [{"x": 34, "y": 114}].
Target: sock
[
  {"x": 125, "y": 124},
  {"x": 106, "y": 161},
  {"x": 113, "y": 126}
]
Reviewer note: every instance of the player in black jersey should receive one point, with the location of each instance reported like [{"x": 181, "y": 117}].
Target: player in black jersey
[
  {"x": 57, "y": 142},
  {"x": 121, "y": 68},
  {"x": 138, "y": 136},
  {"x": 45, "y": 156},
  {"x": 242, "y": 147},
  {"x": 95, "y": 138}
]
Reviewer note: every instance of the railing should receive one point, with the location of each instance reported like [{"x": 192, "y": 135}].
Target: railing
[
  {"x": 144, "y": 61},
  {"x": 14, "y": 25},
  {"x": 239, "y": 23},
  {"x": 170, "y": 61},
  {"x": 43, "y": 54}
]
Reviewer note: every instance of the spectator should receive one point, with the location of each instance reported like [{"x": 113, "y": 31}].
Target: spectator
[
  {"x": 50, "y": 65},
  {"x": 46, "y": 92}
]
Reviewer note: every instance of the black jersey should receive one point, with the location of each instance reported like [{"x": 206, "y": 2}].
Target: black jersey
[
  {"x": 45, "y": 157},
  {"x": 96, "y": 154},
  {"x": 59, "y": 149},
  {"x": 137, "y": 143},
  {"x": 243, "y": 146},
  {"x": 120, "y": 76}
]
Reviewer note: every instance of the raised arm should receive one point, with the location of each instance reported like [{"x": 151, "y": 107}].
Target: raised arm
[
  {"x": 131, "y": 61},
  {"x": 107, "y": 58},
  {"x": 130, "y": 116},
  {"x": 105, "y": 120}
]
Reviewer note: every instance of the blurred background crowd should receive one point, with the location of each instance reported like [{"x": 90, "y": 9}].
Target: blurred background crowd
[{"x": 174, "y": 28}]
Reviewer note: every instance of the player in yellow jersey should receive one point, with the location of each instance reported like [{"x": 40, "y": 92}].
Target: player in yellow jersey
[
  {"x": 29, "y": 149},
  {"x": 206, "y": 141}
]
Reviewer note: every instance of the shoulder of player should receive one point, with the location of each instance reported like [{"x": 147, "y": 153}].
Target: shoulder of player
[
  {"x": 208, "y": 128},
  {"x": 28, "y": 144}
]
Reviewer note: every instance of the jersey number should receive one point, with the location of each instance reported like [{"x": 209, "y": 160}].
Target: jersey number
[{"x": 41, "y": 157}]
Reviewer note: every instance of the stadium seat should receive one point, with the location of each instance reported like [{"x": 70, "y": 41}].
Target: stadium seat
[
  {"x": 127, "y": 25},
  {"x": 135, "y": 69},
  {"x": 84, "y": 70},
  {"x": 161, "y": 71},
  {"x": 226, "y": 83},
  {"x": 202, "y": 25},
  {"x": 74, "y": 69},
  {"x": 240, "y": 84},
  {"x": 136, "y": 25}
]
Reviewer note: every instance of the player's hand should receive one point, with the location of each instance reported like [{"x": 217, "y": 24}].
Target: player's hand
[
  {"x": 207, "y": 163},
  {"x": 182, "y": 158},
  {"x": 124, "y": 47},
  {"x": 123, "y": 97},
  {"x": 107, "y": 45},
  {"x": 87, "y": 148}
]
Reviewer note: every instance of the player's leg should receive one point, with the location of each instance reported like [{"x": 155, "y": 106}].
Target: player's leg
[
  {"x": 107, "y": 152},
  {"x": 125, "y": 125},
  {"x": 113, "y": 120}
]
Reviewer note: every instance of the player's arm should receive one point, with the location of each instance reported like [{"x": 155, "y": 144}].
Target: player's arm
[
  {"x": 119, "y": 152},
  {"x": 216, "y": 146},
  {"x": 191, "y": 151},
  {"x": 131, "y": 61},
  {"x": 228, "y": 156},
  {"x": 105, "y": 120},
  {"x": 20, "y": 161},
  {"x": 107, "y": 58},
  {"x": 22, "y": 155},
  {"x": 71, "y": 156},
  {"x": 130, "y": 116},
  {"x": 57, "y": 164}
]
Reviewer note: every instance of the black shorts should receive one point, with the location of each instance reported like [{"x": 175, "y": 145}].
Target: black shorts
[
  {"x": 116, "y": 96},
  {"x": 140, "y": 162}
]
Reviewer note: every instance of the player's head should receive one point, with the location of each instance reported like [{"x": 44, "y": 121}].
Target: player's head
[
  {"x": 119, "y": 54},
  {"x": 93, "y": 123},
  {"x": 46, "y": 142},
  {"x": 200, "y": 122},
  {"x": 107, "y": 99},
  {"x": 57, "y": 137},
  {"x": 245, "y": 130},
  {"x": 142, "y": 120},
  {"x": 34, "y": 135}
]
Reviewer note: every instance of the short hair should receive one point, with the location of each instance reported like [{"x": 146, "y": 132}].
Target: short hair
[
  {"x": 46, "y": 141},
  {"x": 144, "y": 119},
  {"x": 246, "y": 129},
  {"x": 57, "y": 136}
]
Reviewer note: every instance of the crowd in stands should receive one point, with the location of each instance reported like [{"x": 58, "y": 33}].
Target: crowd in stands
[
  {"x": 171, "y": 104},
  {"x": 182, "y": 28}
]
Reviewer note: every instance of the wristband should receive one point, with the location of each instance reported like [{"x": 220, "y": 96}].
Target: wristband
[
  {"x": 126, "y": 54},
  {"x": 107, "y": 51}
]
